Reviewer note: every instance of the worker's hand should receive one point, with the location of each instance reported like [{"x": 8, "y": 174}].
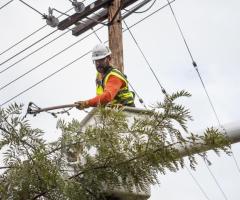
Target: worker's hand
[{"x": 81, "y": 105}]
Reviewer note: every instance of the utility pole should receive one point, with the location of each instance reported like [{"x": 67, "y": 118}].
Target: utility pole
[{"x": 115, "y": 33}]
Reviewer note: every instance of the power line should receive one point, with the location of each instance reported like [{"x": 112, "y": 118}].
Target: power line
[
  {"x": 143, "y": 11},
  {"x": 215, "y": 180},
  {"x": 152, "y": 13},
  {"x": 34, "y": 68},
  {"x": 193, "y": 62},
  {"x": 45, "y": 78},
  {"x": 6, "y": 4},
  {"x": 154, "y": 74},
  {"x": 198, "y": 184},
  {"x": 32, "y": 52},
  {"x": 22, "y": 40},
  {"x": 139, "y": 98},
  {"x": 95, "y": 33},
  {"x": 181, "y": 32},
  {"x": 28, "y": 47},
  {"x": 200, "y": 77},
  {"x": 32, "y": 8},
  {"x": 9, "y": 48},
  {"x": 164, "y": 93},
  {"x": 41, "y": 48}
]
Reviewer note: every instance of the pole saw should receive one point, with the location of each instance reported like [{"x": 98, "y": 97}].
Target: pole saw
[{"x": 33, "y": 109}]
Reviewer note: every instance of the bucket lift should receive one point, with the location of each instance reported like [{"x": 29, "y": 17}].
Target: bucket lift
[{"x": 119, "y": 193}]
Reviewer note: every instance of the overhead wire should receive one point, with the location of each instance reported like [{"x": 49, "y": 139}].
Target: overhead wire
[
  {"x": 42, "y": 80},
  {"x": 164, "y": 92},
  {"x": 196, "y": 68},
  {"x": 6, "y": 4},
  {"x": 142, "y": 11},
  {"x": 44, "y": 16},
  {"x": 32, "y": 8},
  {"x": 12, "y": 65},
  {"x": 62, "y": 13},
  {"x": 152, "y": 13},
  {"x": 215, "y": 180},
  {"x": 1, "y": 71},
  {"x": 95, "y": 33},
  {"x": 197, "y": 183},
  {"x": 145, "y": 58},
  {"x": 9, "y": 48},
  {"x": 202, "y": 82},
  {"x": 28, "y": 47},
  {"x": 12, "y": 98},
  {"x": 136, "y": 93},
  {"x": 50, "y": 58}
]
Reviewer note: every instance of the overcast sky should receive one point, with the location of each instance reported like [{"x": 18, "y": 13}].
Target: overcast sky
[{"x": 211, "y": 28}]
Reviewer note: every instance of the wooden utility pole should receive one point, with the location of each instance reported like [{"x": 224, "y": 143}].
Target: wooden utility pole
[{"x": 115, "y": 33}]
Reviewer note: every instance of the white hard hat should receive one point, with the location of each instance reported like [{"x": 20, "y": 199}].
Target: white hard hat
[{"x": 100, "y": 51}]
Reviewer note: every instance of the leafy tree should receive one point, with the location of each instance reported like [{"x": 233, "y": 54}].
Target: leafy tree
[{"x": 111, "y": 153}]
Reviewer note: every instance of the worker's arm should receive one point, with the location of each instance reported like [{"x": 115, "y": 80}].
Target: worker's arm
[{"x": 113, "y": 85}]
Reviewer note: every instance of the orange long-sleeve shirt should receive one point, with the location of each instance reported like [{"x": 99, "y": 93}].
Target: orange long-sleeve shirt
[{"x": 113, "y": 85}]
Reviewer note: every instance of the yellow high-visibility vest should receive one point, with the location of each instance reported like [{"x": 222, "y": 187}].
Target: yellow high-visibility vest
[{"x": 124, "y": 96}]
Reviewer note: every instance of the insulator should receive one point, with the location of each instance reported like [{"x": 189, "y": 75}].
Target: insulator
[
  {"x": 78, "y": 6},
  {"x": 52, "y": 21}
]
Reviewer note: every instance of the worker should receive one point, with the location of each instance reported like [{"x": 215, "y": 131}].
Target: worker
[{"x": 111, "y": 84}]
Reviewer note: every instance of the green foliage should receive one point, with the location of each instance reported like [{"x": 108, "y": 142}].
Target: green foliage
[{"x": 112, "y": 153}]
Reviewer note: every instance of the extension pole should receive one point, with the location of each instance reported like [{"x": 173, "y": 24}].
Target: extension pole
[{"x": 38, "y": 110}]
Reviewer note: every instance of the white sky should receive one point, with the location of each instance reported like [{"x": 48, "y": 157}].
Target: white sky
[{"x": 211, "y": 28}]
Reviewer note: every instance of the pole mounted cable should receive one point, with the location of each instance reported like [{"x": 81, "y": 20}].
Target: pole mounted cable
[{"x": 200, "y": 77}]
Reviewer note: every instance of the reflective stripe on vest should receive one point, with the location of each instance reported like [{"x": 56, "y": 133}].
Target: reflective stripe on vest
[{"x": 124, "y": 96}]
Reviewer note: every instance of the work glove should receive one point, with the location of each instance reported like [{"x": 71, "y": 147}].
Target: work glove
[{"x": 80, "y": 105}]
